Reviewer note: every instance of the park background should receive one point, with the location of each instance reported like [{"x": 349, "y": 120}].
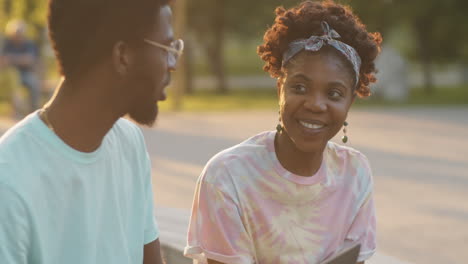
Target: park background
[
  {"x": 424, "y": 61},
  {"x": 413, "y": 128}
]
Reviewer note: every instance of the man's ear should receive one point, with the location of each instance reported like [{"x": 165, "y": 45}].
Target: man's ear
[{"x": 121, "y": 58}]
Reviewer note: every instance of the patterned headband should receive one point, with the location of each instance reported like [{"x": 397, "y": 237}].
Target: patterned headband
[{"x": 315, "y": 43}]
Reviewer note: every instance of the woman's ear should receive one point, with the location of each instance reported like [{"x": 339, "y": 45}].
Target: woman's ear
[{"x": 279, "y": 85}]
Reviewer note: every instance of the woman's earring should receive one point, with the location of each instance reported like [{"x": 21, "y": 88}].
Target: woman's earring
[
  {"x": 279, "y": 127},
  {"x": 345, "y": 137}
]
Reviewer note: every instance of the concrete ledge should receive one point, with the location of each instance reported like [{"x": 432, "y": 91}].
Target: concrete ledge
[
  {"x": 173, "y": 256},
  {"x": 173, "y": 224}
]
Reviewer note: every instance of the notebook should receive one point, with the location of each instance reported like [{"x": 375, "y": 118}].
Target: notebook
[{"x": 348, "y": 255}]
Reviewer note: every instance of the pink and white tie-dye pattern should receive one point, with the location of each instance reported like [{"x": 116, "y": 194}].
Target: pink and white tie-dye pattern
[{"x": 249, "y": 209}]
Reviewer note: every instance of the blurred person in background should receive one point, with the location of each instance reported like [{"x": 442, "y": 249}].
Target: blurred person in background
[
  {"x": 22, "y": 54},
  {"x": 291, "y": 195},
  {"x": 75, "y": 177}
]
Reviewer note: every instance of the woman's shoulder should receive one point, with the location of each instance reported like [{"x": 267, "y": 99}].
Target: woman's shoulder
[
  {"x": 345, "y": 153},
  {"x": 350, "y": 163},
  {"x": 251, "y": 151},
  {"x": 248, "y": 148}
]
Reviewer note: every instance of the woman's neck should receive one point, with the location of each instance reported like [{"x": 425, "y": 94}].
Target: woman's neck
[{"x": 293, "y": 159}]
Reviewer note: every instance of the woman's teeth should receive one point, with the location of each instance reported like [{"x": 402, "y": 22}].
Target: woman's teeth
[{"x": 311, "y": 126}]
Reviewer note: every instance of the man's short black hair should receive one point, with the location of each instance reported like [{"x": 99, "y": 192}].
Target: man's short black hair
[{"x": 83, "y": 32}]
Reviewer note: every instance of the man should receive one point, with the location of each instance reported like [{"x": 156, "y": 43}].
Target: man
[
  {"x": 21, "y": 54},
  {"x": 75, "y": 183}
]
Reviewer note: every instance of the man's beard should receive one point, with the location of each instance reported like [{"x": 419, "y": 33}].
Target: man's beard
[{"x": 144, "y": 114}]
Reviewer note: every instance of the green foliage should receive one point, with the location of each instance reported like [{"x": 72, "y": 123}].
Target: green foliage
[
  {"x": 441, "y": 25},
  {"x": 9, "y": 80},
  {"x": 440, "y": 28},
  {"x": 261, "y": 98},
  {"x": 33, "y": 12},
  {"x": 244, "y": 19},
  {"x": 441, "y": 96},
  {"x": 238, "y": 99}
]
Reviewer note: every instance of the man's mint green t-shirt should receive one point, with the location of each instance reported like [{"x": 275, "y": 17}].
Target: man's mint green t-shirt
[{"x": 58, "y": 205}]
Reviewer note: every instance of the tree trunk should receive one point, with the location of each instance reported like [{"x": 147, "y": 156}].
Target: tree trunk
[
  {"x": 464, "y": 72},
  {"x": 216, "y": 56},
  {"x": 188, "y": 61},
  {"x": 425, "y": 52},
  {"x": 179, "y": 80}
]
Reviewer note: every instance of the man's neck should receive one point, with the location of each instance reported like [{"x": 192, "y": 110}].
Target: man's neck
[{"x": 82, "y": 115}]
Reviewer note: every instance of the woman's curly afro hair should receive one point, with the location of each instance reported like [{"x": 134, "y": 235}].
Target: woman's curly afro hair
[{"x": 303, "y": 21}]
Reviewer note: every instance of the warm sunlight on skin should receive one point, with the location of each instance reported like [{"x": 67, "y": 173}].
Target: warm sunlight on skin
[
  {"x": 315, "y": 95},
  {"x": 317, "y": 88}
]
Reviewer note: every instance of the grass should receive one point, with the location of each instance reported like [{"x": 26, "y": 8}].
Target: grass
[
  {"x": 258, "y": 99},
  {"x": 441, "y": 96},
  {"x": 237, "y": 99},
  {"x": 240, "y": 58},
  {"x": 252, "y": 99}
]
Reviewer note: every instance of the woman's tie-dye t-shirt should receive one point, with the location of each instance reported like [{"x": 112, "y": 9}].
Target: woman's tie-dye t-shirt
[{"x": 249, "y": 209}]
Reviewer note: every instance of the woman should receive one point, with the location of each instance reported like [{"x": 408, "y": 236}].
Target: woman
[{"x": 291, "y": 195}]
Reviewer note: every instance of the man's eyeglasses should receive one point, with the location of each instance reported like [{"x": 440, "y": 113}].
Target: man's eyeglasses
[{"x": 176, "y": 48}]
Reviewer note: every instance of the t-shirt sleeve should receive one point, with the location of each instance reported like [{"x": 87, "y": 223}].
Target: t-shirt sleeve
[
  {"x": 216, "y": 230},
  {"x": 151, "y": 226},
  {"x": 363, "y": 228},
  {"x": 14, "y": 228}
]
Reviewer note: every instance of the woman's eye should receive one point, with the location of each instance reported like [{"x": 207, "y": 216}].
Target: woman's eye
[
  {"x": 299, "y": 88},
  {"x": 335, "y": 94}
]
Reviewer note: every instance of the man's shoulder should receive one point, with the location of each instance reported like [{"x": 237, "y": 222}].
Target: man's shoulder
[
  {"x": 128, "y": 137},
  {"x": 127, "y": 127},
  {"x": 17, "y": 147},
  {"x": 127, "y": 132},
  {"x": 18, "y": 136}
]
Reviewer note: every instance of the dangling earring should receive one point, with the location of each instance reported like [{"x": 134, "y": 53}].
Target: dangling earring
[
  {"x": 279, "y": 127},
  {"x": 345, "y": 137}
]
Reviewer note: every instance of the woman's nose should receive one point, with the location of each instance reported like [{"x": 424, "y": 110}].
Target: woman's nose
[{"x": 315, "y": 103}]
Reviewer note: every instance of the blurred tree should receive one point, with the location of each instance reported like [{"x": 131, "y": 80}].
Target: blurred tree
[
  {"x": 207, "y": 21},
  {"x": 181, "y": 76},
  {"x": 33, "y": 12},
  {"x": 212, "y": 20},
  {"x": 378, "y": 15},
  {"x": 439, "y": 28}
]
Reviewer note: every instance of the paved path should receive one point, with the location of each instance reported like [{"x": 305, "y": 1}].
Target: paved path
[{"x": 419, "y": 158}]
